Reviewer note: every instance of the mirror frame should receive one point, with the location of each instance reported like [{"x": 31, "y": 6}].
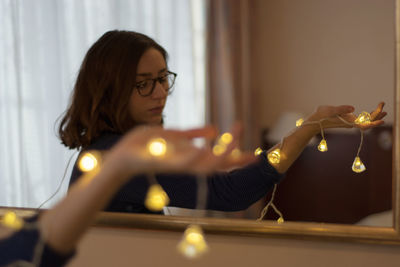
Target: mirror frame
[{"x": 296, "y": 230}]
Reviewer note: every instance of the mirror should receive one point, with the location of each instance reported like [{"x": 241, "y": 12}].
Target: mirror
[
  {"x": 292, "y": 59},
  {"x": 288, "y": 37}
]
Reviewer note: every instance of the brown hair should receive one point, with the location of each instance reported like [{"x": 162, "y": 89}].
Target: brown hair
[{"x": 103, "y": 87}]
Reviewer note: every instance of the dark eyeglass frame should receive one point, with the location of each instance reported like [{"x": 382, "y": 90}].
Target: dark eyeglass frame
[{"x": 158, "y": 79}]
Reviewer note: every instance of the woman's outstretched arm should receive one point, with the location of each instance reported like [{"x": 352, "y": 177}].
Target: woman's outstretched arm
[
  {"x": 295, "y": 142},
  {"x": 65, "y": 224}
]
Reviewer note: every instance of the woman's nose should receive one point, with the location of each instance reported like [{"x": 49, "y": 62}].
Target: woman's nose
[{"x": 159, "y": 91}]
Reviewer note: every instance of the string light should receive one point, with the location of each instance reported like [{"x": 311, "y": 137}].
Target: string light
[
  {"x": 218, "y": 149},
  {"x": 358, "y": 166},
  {"x": 363, "y": 118},
  {"x": 274, "y": 157},
  {"x": 156, "y": 198},
  {"x": 226, "y": 138},
  {"x": 236, "y": 153},
  {"x": 271, "y": 204},
  {"x": 299, "y": 122},
  {"x": 89, "y": 161},
  {"x": 193, "y": 243},
  {"x": 11, "y": 220},
  {"x": 223, "y": 141},
  {"x": 157, "y": 147},
  {"x": 323, "y": 147},
  {"x": 258, "y": 151}
]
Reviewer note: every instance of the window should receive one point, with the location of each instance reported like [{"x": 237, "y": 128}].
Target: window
[{"x": 42, "y": 44}]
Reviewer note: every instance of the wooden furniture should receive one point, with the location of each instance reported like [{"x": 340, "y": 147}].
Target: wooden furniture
[{"x": 321, "y": 187}]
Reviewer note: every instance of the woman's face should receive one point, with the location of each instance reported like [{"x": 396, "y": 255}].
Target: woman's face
[{"x": 148, "y": 109}]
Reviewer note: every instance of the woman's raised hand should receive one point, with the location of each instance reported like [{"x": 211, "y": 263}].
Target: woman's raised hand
[
  {"x": 176, "y": 152},
  {"x": 343, "y": 116}
]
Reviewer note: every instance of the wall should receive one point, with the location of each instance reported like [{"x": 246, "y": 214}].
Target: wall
[
  {"x": 311, "y": 52},
  {"x": 128, "y": 247},
  {"x": 119, "y": 247}
]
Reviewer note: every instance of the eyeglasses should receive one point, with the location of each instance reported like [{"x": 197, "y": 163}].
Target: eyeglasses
[{"x": 146, "y": 87}]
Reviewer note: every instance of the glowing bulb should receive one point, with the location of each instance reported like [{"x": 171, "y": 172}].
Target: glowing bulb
[
  {"x": 156, "y": 198},
  {"x": 89, "y": 161},
  {"x": 236, "y": 153},
  {"x": 358, "y": 166},
  {"x": 258, "y": 151},
  {"x": 11, "y": 220},
  {"x": 299, "y": 122},
  {"x": 193, "y": 243},
  {"x": 157, "y": 147},
  {"x": 280, "y": 220},
  {"x": 274, "y": 156},
  {"x": 363, "y": 118},
  {"x": 323, "y": 147},
  {"x": 218, "y": 149},
  {"x": 225, "y": 139}
]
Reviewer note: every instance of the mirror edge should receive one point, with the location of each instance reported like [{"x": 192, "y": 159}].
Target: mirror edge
[{"x": 396, "y": 151}]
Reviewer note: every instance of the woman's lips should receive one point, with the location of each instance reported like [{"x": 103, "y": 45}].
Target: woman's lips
[{"x": 156, "y": 110}]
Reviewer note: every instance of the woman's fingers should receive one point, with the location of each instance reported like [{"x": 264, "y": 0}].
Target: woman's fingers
[
  {"x": 340, "y": 110},
  {"x": 207, "y": 132},
  {"x": 380, "y": 116},
  {"x": 378, "y": 111},
  {"x": 370, "y": 125}
]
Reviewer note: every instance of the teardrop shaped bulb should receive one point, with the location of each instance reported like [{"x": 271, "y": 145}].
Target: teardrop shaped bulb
[
  {"x": 358, "y": 165},
  {"x": 323, "y": 146}
]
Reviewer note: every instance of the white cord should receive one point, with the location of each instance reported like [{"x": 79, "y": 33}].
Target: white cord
[
  {"x": 62, "y": 180},
  {"x": 270, "y": 203}
]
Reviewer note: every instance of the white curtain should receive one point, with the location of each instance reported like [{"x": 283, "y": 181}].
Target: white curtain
[{"x": 42, "y": 44}]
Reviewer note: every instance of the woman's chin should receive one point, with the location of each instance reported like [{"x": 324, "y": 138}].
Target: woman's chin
[{"x": 156, "y": 121}]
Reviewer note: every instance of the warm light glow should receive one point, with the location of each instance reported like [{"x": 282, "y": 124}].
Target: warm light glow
[
  {"x": 225, "y": 139},
  {"x": 11, "y": 220},
  {"x": 236, "y": 153},
  {"x": 299, "y": 122},
  {"x": 222, "y": 143},
  {"x": 358, "y": 166},
  {"x": 89, "y": 161},
  {"x": 323, "y": 147},
  {"x": 258, "y": 151},
  {"x": 274, "y": 157},
  {"x": 280, "y": 220},
  {"x": 363, "y": 118},
  {"x": 157, "y": 147},
  {"x": 218, "y": 150},
  {"x": 156, "y": 198},
  {"x": 193, "y": 243}
]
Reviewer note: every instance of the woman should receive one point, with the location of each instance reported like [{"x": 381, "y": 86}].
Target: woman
[
  {"x": 124, "y": 81},
  {"x": 50, "y": 238}
]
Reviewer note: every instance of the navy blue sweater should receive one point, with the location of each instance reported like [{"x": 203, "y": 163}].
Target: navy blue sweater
[
  {"x": 227, "y": 191},
  {"x": 20, "y": 247}
]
